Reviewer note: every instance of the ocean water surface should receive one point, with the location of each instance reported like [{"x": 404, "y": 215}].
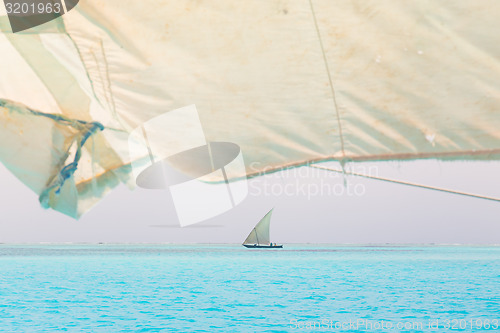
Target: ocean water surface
[{"x": 223, "y": 288}]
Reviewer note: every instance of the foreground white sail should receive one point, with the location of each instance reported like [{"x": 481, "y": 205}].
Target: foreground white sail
[
  {"x": 290, "y": 82},
  {"x": 259, "y": 237}
]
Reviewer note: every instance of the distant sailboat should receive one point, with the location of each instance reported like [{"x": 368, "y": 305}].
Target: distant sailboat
[{"x": 259, "y": 236}]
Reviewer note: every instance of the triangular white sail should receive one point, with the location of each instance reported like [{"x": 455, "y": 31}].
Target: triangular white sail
[{"x": 260, "y": 234}]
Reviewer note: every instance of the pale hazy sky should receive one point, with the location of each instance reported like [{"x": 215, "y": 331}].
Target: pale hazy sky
[{"x": 380, "y": 213}]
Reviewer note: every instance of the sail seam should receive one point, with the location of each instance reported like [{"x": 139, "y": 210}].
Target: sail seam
[
  {"x": 84, "y": 65},
  {"x": 329, "y": 79},
  {"x": 108, "y": 86}
]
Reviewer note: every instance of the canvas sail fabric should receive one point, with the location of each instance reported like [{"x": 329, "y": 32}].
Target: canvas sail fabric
[
  {"x": 260, "y": 234},
  {"x": 290, "y": 82},
  {"x": 252, "y": 238}
]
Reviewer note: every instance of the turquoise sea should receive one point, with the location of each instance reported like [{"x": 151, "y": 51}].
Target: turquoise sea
[{"x": 222, "y": 288}]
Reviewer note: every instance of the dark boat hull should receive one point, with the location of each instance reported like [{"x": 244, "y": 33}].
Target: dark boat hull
[{"x": 255, "y": 246}]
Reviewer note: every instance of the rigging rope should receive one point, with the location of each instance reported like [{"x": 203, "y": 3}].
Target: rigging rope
[{"x": 408, "y": 183}]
